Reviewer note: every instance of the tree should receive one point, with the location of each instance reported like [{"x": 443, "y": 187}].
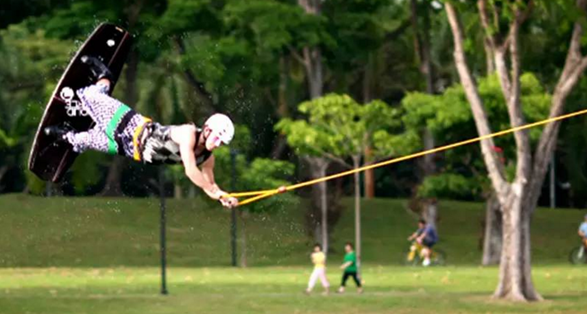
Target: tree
[
  {"x": 312, "y": 144},
  {"x": 276, "y": 32},
  {"x": 363, "y": 33},
  {"x": 449, "y": 118},
  {"x": 518, "y": 197},
  {"x": 339, "y": 128}
]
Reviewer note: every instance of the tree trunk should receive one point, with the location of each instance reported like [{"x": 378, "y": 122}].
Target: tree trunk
[
  {"x": 493, "y": 232},
  {"x": 177, "y": 191},
  {"x": 282, "y": 107},
  {"x": 3, "y": 170},
  {"x": 113, "y": 179},
  {"x": 422, "y": 42},
  {"x": 515, "y": 279},
  {"x": 324, "y": 221},
  {"x": 369, "y": 184},
  {"x": 369, "y": 175},
  {"x": 243, "y": 228},
  {"x": 312, "y": 56},
  {"x": 430, "y": 211},
  {"x": 318, "y": 168},
  {"x": 192, "y": 191},
  {"x": 356, "y": 164},
  {"x": 423, "y": 55},
  {"x": 279, "y": 146},
  {"x": 489, "y": 65}
]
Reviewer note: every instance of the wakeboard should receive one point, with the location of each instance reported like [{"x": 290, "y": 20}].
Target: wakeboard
[{"x": 50, "y": 159}]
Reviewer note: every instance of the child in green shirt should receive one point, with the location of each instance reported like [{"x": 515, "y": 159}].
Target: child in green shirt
[{"x": 350, "y": 268}]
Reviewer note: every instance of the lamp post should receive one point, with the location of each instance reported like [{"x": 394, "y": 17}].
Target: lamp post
[
  {"x": 163, "y": 246},
  {"x": 233, "y": 153}
]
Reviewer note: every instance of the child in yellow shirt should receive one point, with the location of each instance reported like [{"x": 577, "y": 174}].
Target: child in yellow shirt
[{"x": 319, "y": 260}]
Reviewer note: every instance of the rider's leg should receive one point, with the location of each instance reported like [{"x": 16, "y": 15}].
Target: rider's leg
[
  {"x": 413, "y": 251},
  {"x": 94, "y": 139},
  {"x": 99, "y": 105},
  {"x": 426, "y": 254}
]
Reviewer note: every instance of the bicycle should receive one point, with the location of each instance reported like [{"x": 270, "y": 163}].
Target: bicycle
[
  {"x": 578, "y": 255},
  {"x": 414, "y": 256}
]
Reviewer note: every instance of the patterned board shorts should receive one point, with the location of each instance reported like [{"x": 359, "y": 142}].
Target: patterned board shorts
[{"x": 115, "y": 124}]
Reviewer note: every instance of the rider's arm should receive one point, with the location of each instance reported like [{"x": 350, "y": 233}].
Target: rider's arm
[
  {"x": 208, "y": 173},
  {"x": 185, "y": 136},
  {"x": 423, "y": 234},
  {"x": 413, "y": 236}
]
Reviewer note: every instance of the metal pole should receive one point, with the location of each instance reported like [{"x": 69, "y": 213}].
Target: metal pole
[
  {"x": 162, "y": 238},
  {"x": 233, "y": 153},
  {"x": 552, "y": 183},
  {"x": 48, "y": 189}
]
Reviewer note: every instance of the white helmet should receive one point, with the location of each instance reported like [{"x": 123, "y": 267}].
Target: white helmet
[{"x": 221, "y": 126}]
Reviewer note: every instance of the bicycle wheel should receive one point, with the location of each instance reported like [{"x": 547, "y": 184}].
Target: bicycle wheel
[
  {"x": 578, "y": 255},
  {"x": 439, "y": 258}
]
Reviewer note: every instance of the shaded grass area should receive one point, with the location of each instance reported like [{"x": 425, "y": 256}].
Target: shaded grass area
[
  {"x": 389, "y": 289},
  {"x": 100, "y": 255},
  {"x": 106, "y": 232}
]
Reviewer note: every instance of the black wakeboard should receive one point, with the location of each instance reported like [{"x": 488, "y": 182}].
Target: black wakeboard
[{"x": 50, "y": 159}]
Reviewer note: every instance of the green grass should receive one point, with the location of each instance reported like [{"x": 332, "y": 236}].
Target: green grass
[
  {"x": 279, "y": 290},
  {"x": 102, "y": 232},
  {"x": 100, "y": 255}
]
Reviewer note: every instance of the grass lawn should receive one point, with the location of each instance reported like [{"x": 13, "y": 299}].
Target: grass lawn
[
  {"x": 105, "y": 232},
  {"x": 391, "y": 289},
  {"x": 100, "y": 255}
]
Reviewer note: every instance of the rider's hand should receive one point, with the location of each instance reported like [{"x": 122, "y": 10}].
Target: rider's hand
[
  {"x": 214, "y": 192},
  {"x": 228, "y": 201},
  {"x": 282, "y": 189}
]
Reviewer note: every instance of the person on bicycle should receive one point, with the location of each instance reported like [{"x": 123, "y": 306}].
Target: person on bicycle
[
  {"x": 583, "y": 232},
  {"x": 426, "y": 236}
]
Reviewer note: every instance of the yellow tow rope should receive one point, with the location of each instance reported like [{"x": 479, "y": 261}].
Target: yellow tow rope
[{"x": 258, "y": 195}]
